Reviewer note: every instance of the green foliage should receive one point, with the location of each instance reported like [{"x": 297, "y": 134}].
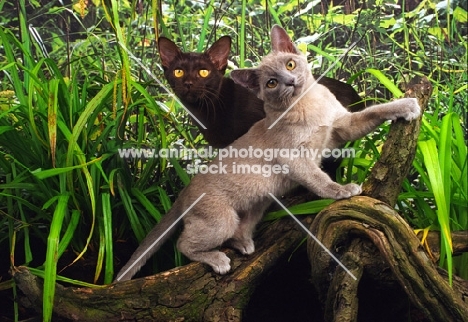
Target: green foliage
[
  {"x": 441, "y": 172},
  {"x": 69, "y": 100},
  {"x": 64, "y": 183}
]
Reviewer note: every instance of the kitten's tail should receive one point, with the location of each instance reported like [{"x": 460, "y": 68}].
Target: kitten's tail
[{"x": 151, "y": 244}]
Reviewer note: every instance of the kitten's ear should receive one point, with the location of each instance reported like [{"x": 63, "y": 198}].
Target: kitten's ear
[
  {"x": 168, "y": 51},
  {"x": 280, "y": 41},
  {"x": 219, "y": 53},
  {"x": 247, "y": 78}
]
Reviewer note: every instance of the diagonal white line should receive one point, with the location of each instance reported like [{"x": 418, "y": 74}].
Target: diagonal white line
[
  {"x": 162, "y": 235},
  {"x": 313, "y": 84},
  {"x": 138, "y": 61},
  {"x": 313, "y": 237}
]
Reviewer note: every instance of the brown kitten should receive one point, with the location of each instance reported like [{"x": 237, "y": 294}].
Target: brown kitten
[{"x": 225, "y": 207}]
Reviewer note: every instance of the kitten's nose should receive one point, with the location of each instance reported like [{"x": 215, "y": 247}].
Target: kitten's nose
[
  {"x": 291, "y": 82},
  {"x": 188, "y": 83}
]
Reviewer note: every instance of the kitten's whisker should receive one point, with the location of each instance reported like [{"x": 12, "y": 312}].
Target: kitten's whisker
[
  {"x": 146, "y": 69},
  {"x": 314, "y": 83},
  {"x": 207, "y": 104},
  {"x": 212, "y": 102},
  {"x": 313, "y": 236}
]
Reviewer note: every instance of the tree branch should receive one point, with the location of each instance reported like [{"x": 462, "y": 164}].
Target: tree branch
[{"x": 395, "y": 161}]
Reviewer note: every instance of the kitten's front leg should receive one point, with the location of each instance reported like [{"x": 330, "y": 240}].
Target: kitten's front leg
[
  {"x": 313, "y": 178},
  {"x": 352, "y": 126}
]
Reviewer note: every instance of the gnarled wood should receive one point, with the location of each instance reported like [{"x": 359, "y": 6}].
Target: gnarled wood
[
  {"x": 396, "y": 158},
  {"x": 189, "y": 293},
  {"x": 400, "y": 257}
]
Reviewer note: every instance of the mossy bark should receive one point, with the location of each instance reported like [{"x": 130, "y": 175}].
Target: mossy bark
[
  {"x": 189, "y": 293},
  {"x": 396, "y": 158},
  {"x": 371, "y": 239}
]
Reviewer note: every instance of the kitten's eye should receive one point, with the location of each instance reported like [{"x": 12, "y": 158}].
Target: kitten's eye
[
  {"x": 178, "y": 73},
  {"x": 291, "y": 65},
  {"x": 204, "y": 72},
  {"x": 272, "y": 83}
]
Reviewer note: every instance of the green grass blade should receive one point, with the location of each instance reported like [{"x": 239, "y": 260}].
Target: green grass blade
[
  {"x": 206, "y": 20},
  {"x": 130, "y": 210},
  {"x": 321, "y": 52},
  {"x": 27, "y": 246},
  {"x": 445, "y": 154},
  {"x": 431, "y": 160},
  {"x": 73, "y": 148},
  {"x": 44, "y": 174},
  {"x": 180, "y": 171},
  {"x": 274, "y": 14},
  {"x": 242, "y": 44},
  {"x": 18, "y": 85},
  {"x": 384, "y": 80},
  {"x": 40, "y": 273},
  {"x": 52, "y": 118},
  {"x": 146, "y": 203},
  {"x": 50, "y": 270},
  {"x": 70, "y": 232},
  {"x": 307, "y": 208},
  {"x": 101, "y": 250},
  {"x": 164, "y": 199},
  {"x": 461, "y": 154},
  {"x": 84, "y": 119},
  {"x": 109, "y": 242}
]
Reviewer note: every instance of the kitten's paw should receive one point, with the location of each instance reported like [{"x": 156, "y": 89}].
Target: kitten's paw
[
  {"x": 222, "y": 265},
  {"x": 348, "y": 190},
  {"x": 245, "y": 246},
  {"x": 413, "y": 109}
]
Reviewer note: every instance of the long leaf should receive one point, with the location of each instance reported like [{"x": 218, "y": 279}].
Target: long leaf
[
  {"x": 40, "y": 273},
  {"x": 44, "y": 174},
  {"x": 384, "y": 80},
  {"x": 52, "y": 118},
  {"x": 242, "y": 42},
  {"x": 307, "y": 208},
  {"x": 206, "y": 20},
  {"x": 52, "y": 256},
  {"x": 146, "y": 203},
  {"x": 109, "y": 242},
  {"x": 130, "y": 210},
  {"x": 445, "y": 154},
  {"x": 69, "y": 232},
  {"x": 431, "y": 161}
]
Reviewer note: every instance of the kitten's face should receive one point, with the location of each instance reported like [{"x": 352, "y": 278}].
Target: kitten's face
[
  {"x": 195, "y": 78},
  {"x": 282, "y": 78}
]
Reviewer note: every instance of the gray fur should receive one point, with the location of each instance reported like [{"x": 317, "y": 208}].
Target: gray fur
[{"x": 234, "y": 202}]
